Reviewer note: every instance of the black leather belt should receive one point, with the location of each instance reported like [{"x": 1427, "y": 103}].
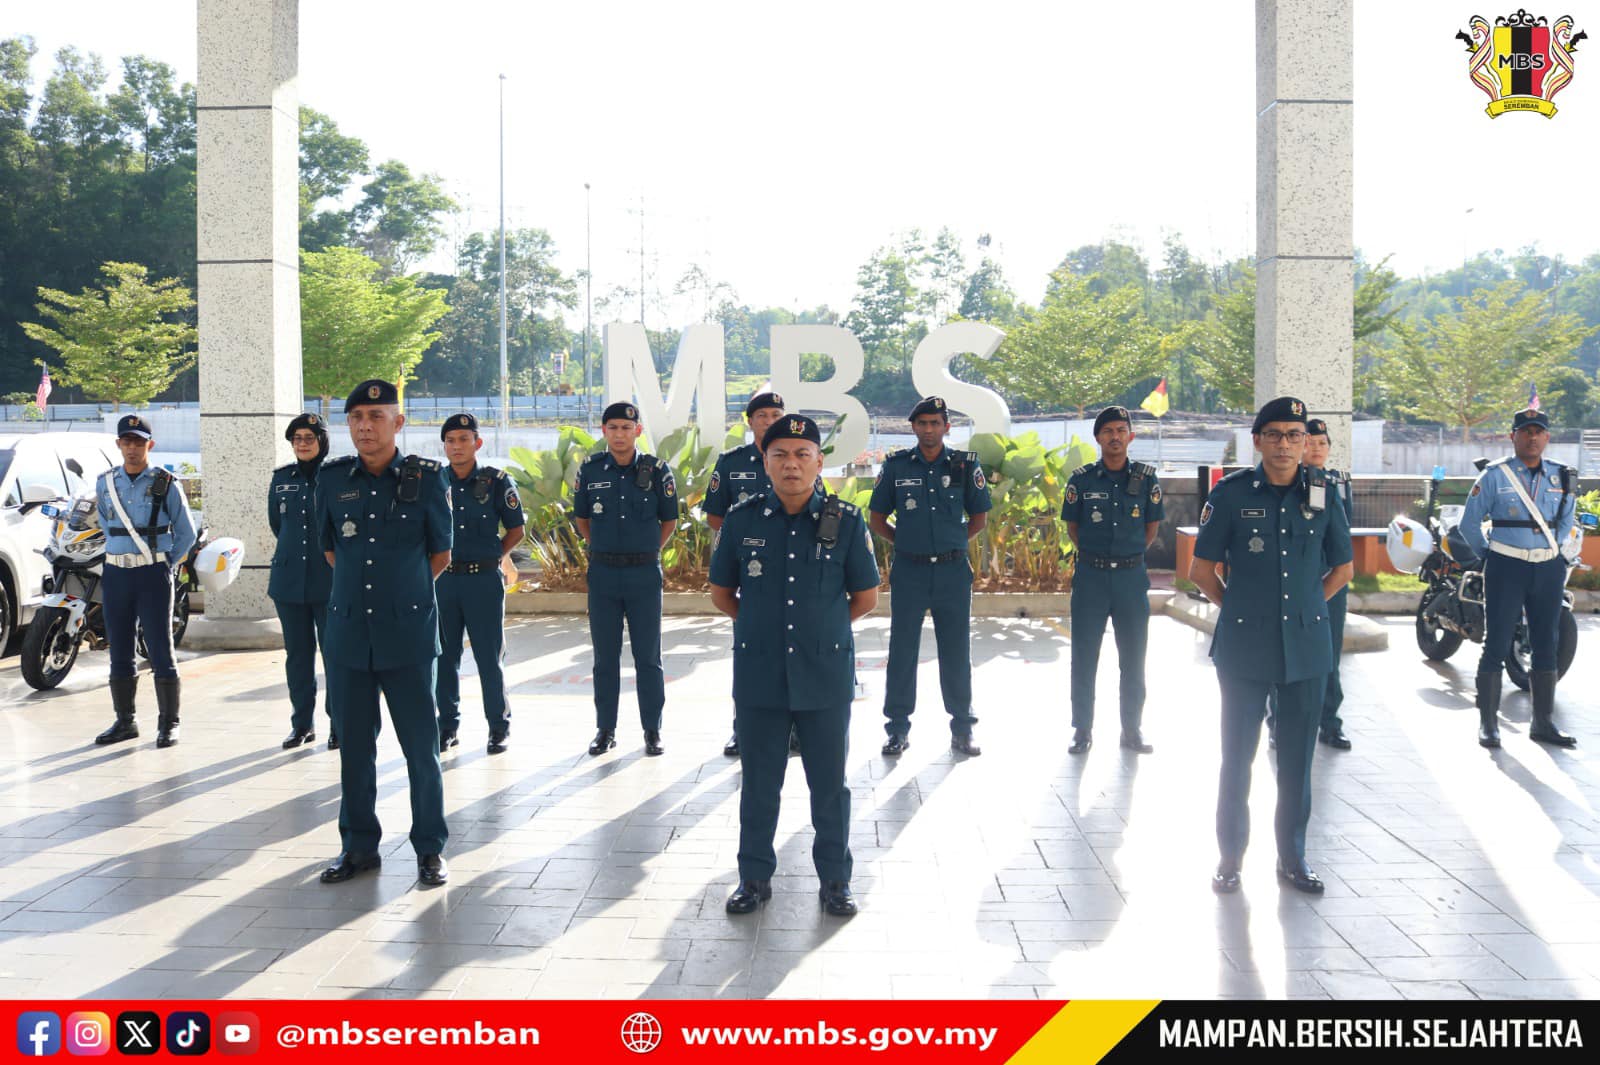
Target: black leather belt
[
  {"x": 947, "y": 556},
  {"x": 474, "y": 567},
  {"x": 1111, "y": 561},
  {"x": 1514, "y": 523},
  {"x": 613, "y": 559}
]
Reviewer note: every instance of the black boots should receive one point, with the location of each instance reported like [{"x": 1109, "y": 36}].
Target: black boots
[
  {"x": 122, "y": 692},
  {"x": 166, "y": 711},
  {"x": 1489, "y": 709},
  {"x": 1543, "y": 682}
]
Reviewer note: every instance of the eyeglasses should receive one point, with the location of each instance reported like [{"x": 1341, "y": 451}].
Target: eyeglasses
[
  {"x": 305, "y": 438},
  {"x": 1276, "y": 436}
]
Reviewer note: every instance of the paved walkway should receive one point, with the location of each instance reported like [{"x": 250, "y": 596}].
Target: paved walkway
[{"x": 1451, "y": 872}]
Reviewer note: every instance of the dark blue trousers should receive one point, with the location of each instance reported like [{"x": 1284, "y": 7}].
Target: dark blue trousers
[
  {"x": 1333, "y": 696},
  {"x": 302, "y": 625},
  {"x": 764, "y": 758},
  {"x": 1513, "y": 588},
  {"x": 1299, "y": 709},
  {"x": 1120, "y": 596},
  {"x": 473, "y": 604},
  {"x": 138, "y": 598},
  {"x": 631, "y": 593},
  {"x": 917, "y": 589},
  {"x": 409, "y": 693}
]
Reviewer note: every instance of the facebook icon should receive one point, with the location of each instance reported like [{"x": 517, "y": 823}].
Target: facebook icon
[{"x": 38, "y": 1034}]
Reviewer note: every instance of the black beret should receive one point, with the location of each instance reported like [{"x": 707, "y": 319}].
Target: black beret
[
  {"x": 458, "y": 421},
  {"x": 133, "y": 425},
  {"x": 372, "y": 393},
  {"x": 1316, "y": 427},
  {"x": 1112, "y": 414},
  {"x": 761, "y": 401},
  {"x": 623, "y": 411},
  {"x": 792, "y": 427},
  {"x": 929, "y": 405},
  {"x": 1529, "y": 416},
  {"x": 309, "y": 421},
  {"x": 1282, "y": 409}
]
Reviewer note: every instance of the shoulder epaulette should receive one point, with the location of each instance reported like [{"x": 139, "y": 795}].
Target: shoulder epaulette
[
  {"x": 597, "y": 456},
  {"x": 1238, "y": 475},
  {"x": 743, "y": 503},
  {"x": 490, "y": 472},
  {"x": 902, "y": 453},
  {"x": 285, "y": 468},
  {"x": 1085, "y": 468},
  {"x": 342, "y": 460},
  {"x": 1144, "y": 468},
  {"x": 849, "y": 507},
  {"x": 425, "y": 463},
  {"x": 968, "y": 456},
  {"x": 1501, "y": 461}
]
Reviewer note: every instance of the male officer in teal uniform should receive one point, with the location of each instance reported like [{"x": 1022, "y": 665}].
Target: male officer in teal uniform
[
  {"x": 384, "y": 523},
  {"x": 1112, "y": 509},
  {"x": 301, "y": 579},
  {"x": 1531, "y": 502},
  {"x": 1331, "y": 729},
  {"x": 740, "y": 474},
  {"x": 939, "y": 500},
  {"x": 148, "y": 535},
  {"x": 1287, "y": 546},
  {"x": 793, "y": 569},
  {"x": 626, "y": 503},
  {"x": 472, "y": 592}
]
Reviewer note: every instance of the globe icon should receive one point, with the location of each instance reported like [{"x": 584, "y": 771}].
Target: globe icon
[{"x": 641, "y": 1033}]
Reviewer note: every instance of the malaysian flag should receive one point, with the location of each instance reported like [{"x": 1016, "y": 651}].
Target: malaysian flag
[
  {"x": 1533, "y": 396},
  {"x": 43, "y": 394}
]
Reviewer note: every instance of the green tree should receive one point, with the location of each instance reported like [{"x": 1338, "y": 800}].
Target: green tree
[
  {"x": 1224, "y": 353},
  {"x": 1468, "y": 367},
  {"x": 1571, "y": 398},
  {"x": 329, "y": 162},
  {"x": 397, "y": 220},
  {"x": 986, "y": 297},
  {"x": 354, "y": 325},
  {"x": 1079, "y": 350},
  {"x": 125, "y": 342}
]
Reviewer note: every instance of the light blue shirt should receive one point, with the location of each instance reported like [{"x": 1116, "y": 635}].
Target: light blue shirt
[
  {"x": 177, "y": 533},
  {"x": 1494, "y": 498}
]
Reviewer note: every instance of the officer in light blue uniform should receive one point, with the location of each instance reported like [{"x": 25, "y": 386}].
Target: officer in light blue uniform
[
  {"x": 1531, "y": 504},
  {"x": 939, "y": 500},
  {"x": 1287, "y": 547},
  {"x": 1112, "y": 509},
  {"x": 384, "y": 523},
  {"x": 472, "y": 592},
  {"x": 148, "y": 535},
  {"x": 793, "y": 569},
  {"x": 740, "y": 474},
  {"x": 626, "y": 504},
  {"x": 301, "y": 578}
]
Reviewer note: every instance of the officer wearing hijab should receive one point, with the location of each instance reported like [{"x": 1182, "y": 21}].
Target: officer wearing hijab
[{"x": 301, "y": 578}]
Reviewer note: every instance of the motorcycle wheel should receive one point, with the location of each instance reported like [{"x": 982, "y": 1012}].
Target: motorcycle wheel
[
  {"x": 1436, "y": 643},
  {"x": 47, "y": 651},
  {"x": 1520, "y": 660}
]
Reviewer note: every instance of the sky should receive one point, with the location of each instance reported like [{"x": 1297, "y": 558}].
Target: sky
[{"x": 777, "y": 145}]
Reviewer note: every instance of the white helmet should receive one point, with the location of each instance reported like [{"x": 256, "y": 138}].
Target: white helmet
[
  {"x": 1409, "y": 543},
  {"x": 218, "y": 563},
  {"x": 1572, "y": 549}
]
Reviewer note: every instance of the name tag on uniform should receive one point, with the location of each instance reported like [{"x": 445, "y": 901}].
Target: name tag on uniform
[
  {"x": 288, "y": 488},
  {"x": 1253, "y": 512},
  {"x": 746, "y": 476},
  {"x": 598, "y": 484},
  {"x": 907, "y": 480},
  {"x": 750, "y": 541},
  {"x": 345, "y": 497},
  {"x": 1097, "y": 495}
]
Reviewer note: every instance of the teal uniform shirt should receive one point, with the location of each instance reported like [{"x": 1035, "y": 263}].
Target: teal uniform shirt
[
  {"x": 930, "y": 501},
  {"x": 1111, "y": 519},
  {"x": 739, "y": 475},
  {"x": 382, "y": 613},
  {"x": 792, "y": 642},
  {"x": 300, "y": 572},
  {"x": 481, "y": 503},
  {"x": 625, "y": 517},
  {"x": 1274, "y": 623}
]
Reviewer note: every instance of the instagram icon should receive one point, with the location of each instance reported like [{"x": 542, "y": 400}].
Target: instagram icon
[{"x": 88, "y": 1034}]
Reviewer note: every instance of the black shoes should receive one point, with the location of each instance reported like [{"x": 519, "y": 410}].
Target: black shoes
[
  {"x": 748, "y": 896},
  {"x": 895, "y": 745},
  {"x": 167, "y": 689},
  {"x": 1080, "y": 741},
  {"x": 1134, "y": 741},
  {"x": 836, "y": 898},
  {"x": 1225, "y": 881},
  {"x": 122, "y": 693},
  {"x": 1335, "y": 738},
  {"x": 1301, "y": 878},
  {"x": 794, "y": 740},
  {"x": 348, "y": 865},
  {"x": 603, "y": 741},
  {"x": 1543, "y": 684},
  {"x": 431, "y": 870},
  {"x": 963, "y": 744},
  {"x": 652, "y": 743},
  {"x": 497, "y": 740},
  {"x": 731, "y": 748},
  {"x": 297, "y": 736},
  {"x": 1489, "y": 710},
  {"x": 448, "y": 739}
]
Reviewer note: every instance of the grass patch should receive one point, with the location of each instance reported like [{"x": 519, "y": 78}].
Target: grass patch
[{"x": 1367, "y": 583}]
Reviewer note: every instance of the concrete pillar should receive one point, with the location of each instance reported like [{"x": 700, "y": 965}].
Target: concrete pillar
[
  {"x": 249, "y": 294},
  {"x": 1305, "y": 249}
]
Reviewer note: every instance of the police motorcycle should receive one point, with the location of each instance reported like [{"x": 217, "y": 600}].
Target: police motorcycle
[
  {"x": 1451, "y": 609},
  {"x": 71, "y": 613}
]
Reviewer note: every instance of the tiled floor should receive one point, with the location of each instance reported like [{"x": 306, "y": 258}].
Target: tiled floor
[{"x": 1451, "y": 872}]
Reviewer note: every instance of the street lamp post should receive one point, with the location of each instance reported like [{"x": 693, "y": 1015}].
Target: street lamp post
[
  {"x": 588, "y": 303},
  {"x": 505, "y": 377}
]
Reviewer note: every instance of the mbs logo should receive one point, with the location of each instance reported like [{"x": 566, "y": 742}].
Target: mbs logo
[{"x": 1521, "y": 62}]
